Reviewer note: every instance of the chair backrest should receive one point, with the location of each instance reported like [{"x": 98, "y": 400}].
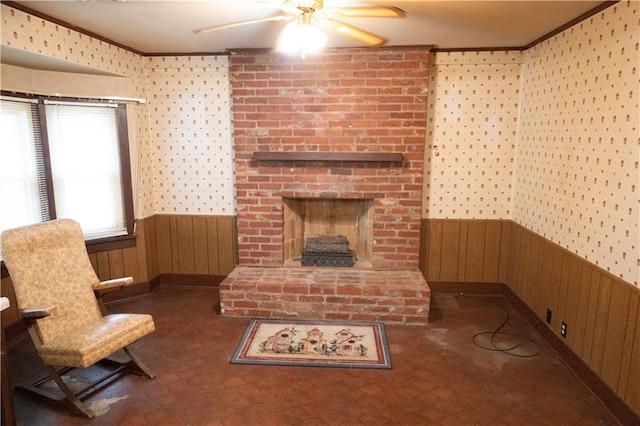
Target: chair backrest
[{"x": 49, "y": 265}]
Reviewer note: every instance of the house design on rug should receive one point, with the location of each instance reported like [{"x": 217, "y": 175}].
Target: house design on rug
[
  {"x": 347, "y": 343},
  {"x": 281, "y": 342},
  {"x": 314, "y": 343}
]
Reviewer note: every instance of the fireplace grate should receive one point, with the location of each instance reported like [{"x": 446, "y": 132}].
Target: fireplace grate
[
  {"x": 328, "y": 251},
  {"x": 328, "y": 259}
]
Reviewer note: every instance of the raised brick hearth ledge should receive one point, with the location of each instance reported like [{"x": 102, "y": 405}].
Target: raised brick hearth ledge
[{"x": 390, "y": 296}]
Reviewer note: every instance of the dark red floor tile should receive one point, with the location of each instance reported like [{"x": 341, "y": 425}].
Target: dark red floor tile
[{"x": 439, "y": 376}]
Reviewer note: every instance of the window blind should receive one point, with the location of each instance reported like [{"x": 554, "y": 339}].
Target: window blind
[
  {"x": 85, "y": 165},
  {"x": 22, "y": 178}
]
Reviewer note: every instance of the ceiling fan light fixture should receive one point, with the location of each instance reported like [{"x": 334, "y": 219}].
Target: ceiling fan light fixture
[
  {"x": 300, "y": 37},
  {"x": 307, "y": 20}
]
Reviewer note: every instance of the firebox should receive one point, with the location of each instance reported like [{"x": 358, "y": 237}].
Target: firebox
[{"x": 318, "y": 218}]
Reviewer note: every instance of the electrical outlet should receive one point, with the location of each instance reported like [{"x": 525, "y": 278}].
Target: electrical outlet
[
  {"x": 548, "y": 316},
  {"x": 563, "y": 329}
]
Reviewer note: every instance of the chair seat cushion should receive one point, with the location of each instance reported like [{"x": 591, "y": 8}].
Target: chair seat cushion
[{"x": 90, "y": 344}]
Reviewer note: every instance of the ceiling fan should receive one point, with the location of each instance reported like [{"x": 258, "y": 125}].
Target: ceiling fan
[{"x": 313, "y": 14}]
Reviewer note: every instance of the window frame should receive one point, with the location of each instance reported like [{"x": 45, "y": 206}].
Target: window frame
[{"x": 97, "y": 244}]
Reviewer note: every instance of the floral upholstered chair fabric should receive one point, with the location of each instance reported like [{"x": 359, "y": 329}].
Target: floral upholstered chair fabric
[{"x": 56, "y": 292}]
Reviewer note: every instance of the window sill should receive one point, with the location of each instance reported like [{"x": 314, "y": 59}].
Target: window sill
[{"x": 111, "y": 243}]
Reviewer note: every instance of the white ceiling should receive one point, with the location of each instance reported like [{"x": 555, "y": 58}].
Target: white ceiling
[{"x": 152, "y": 26}]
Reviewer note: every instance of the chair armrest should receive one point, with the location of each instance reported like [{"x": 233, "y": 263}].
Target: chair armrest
[
  {"x": 103, "y": 287},
  {"x": 37, "y": 313},
  {"x": 114, "y": 284}
]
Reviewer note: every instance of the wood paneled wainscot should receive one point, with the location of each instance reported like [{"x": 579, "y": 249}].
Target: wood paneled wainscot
[
  {"x": 193, "y": 249},
  {"x": 601, "y": 311},
  {"x": 468, "y": 251}
]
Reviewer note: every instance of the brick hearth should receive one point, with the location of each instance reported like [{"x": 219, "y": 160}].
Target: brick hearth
[{"x": 395, "y": 297}]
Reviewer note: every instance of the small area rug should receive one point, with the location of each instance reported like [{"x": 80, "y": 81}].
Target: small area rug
[{"x": 351, "y": 344}]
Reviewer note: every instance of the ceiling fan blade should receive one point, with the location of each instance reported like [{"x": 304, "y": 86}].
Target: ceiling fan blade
[
  {"x": 366, "y": 12},
  {"x": 239, "y": 24},
  {"x": 283, "y": 5},
  {"x": 351, "y": 32}
]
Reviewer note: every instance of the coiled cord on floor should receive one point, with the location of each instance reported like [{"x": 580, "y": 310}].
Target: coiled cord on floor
[{"x": 508, "y": 351}]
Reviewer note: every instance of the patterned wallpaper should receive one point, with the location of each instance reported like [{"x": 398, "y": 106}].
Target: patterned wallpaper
[
  {"x": 189, "y": 101},
  {"x": 577, "y": 180},
  {"x": 568, "y": 172},
  {"x": 471, "y": 135},
  {"x": 29, "y": 33}
]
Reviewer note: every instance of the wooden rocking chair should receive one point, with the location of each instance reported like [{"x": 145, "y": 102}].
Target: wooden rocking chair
[{"x": 59, "y": 296}]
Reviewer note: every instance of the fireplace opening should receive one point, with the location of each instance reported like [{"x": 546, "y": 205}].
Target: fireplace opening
[{"x": 310, "y": 218}]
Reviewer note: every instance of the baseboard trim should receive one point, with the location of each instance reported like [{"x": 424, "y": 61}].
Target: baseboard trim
[
  {"x": 616, "y": 406},
  {"x": 467, "y": 288},
  {"x": 133, "y": 290},
  {"x": 605, "y": 394},
  {"x": 198, "y": 280}
]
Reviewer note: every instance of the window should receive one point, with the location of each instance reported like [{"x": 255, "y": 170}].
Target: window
[{"x": 65, "y": 159}]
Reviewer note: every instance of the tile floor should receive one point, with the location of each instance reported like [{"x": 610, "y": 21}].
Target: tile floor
[{"x": 439, "y": 376}]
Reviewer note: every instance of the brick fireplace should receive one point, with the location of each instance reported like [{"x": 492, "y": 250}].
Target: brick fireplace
[{"x": 338, "y": 136}]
